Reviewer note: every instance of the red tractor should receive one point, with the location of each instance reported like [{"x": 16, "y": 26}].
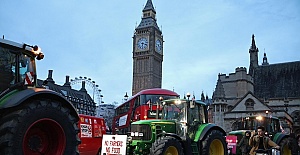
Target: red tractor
[{"x": 33, "y": 120}]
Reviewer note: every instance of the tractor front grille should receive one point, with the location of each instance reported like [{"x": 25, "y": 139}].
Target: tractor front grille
[{"x": 143, "y": 132}]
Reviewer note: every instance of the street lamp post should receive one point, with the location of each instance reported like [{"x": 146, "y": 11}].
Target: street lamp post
[
  {"x": 125, "y": 97},
  {"x": 188, "y": 95}
]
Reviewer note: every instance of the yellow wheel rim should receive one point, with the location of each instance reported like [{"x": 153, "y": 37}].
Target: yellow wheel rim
[
  {"x": 171, "y": 150},
  {"x": 216, "y": 148},
  {"x": 286, "y": 150}
]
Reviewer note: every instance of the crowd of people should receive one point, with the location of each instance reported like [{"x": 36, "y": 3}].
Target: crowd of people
[{"x": 249, "y": 145}]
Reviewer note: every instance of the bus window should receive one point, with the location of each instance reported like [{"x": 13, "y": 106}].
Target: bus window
[{"x": 137, "y": 102}]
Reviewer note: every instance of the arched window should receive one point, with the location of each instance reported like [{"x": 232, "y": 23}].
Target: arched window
[{"x": 249, "y": 104}]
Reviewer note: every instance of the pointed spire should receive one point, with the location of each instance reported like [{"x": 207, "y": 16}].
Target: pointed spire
[
  {"x": 219, "y": 93},
  {"x": 149, "y": 17},
  {"x": 253, "y": 56},
  {"x": 253, "y": 46},
  {"x": 265, "y": 60},
  {"x": 202, "y": 97},
  {"x": 149, "y": 6}
]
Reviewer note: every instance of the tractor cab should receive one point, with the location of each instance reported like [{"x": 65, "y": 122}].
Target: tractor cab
[
  {"x": 187, "y": 114},
  {"x": 251, "y": 123},
  {"x": 17, "y": 64}
]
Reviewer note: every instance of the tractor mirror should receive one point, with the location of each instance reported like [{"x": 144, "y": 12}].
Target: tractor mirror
[{"x": 192, "y": 104}]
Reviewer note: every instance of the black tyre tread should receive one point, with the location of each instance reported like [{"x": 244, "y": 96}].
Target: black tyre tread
[
  {"x": 214, "y": 134},
  {"x": 284, "y": 142},
  {"x": 14, "y": 116},
  {"x": 160, "y": 145}
]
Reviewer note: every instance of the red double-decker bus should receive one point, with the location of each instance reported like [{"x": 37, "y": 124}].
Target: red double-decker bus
[{"x": 141, "y": 106}]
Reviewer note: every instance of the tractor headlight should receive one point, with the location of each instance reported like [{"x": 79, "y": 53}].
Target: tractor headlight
[
  {"x": 136, "y": 134},
  {"x": 141, "y": 134},
  {"x": 129, "y": 138}
]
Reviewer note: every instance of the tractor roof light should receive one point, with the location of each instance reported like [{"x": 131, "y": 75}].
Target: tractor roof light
[
  {"x": 36, "y": 51},
  {"x": 259, "y": 118},
  {"x": 177, "y": 102}
]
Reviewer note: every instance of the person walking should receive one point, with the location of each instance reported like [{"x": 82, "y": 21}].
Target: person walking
[
  {"x": 244, "y": 143},
  {"x": 260, "y": 141}
]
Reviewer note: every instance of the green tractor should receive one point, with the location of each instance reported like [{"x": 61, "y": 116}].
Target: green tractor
[
  {"x": 272, "y": 126},
  {"x": 32, "y": 120},
  {"x": 183, "y": 129}
]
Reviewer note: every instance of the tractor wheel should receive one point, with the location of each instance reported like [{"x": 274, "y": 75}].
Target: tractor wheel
[
  {"x": 39, "y": 127},
  {"x": 214, "y": 143},
  {"x": 284, "y": 149},
  {"x": 166, "y": 146}
]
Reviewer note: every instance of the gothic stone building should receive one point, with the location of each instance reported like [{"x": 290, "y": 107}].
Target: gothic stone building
[
  {"x": 147, "y": 52},
  {"x": 267, "y": 89}
]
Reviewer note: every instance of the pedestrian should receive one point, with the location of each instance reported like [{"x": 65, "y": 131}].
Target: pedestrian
[
  {"x": 293, "y": 144},
  {"x": 244, "y": 143},
  {"x": 260, "y": 141}
]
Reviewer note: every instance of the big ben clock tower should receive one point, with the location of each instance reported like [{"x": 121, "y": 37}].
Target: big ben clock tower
[{"x": 147, "y": 52}]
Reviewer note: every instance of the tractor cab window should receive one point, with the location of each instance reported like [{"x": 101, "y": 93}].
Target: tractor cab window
[
  {"x": 276, "y": 125},
  {"x": 174, "y": 111},
  {"x": 197, "y": 114},
  {"x": 26, "y": 65},
  {"x": 7, "y": 68}
]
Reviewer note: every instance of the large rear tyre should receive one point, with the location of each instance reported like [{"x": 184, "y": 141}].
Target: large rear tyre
[
  {"x": 166, "y": 146},
  {"x": 284, "y": 149},
  {"x": 214, "y": 143},
  {"x": 39, "y": 127}
]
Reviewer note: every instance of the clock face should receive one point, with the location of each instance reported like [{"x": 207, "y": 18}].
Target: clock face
[
  {"x": 158, "y": 45},
  {"x": 142, "y": 43}
]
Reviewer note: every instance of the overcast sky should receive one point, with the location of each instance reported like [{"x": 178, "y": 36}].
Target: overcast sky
[{"x": 93, "y": 38}]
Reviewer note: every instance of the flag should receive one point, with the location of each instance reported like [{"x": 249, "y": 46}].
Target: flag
[{"x": 29, "y": 78}]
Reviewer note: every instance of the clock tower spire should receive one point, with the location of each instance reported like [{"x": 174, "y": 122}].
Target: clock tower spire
[
  {"x": 147, "y": 52},
  {"x": 253, "y": 56}
]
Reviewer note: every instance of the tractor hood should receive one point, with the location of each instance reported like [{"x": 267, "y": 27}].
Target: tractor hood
[
  {"x": 240, "y": 132},
  {"x": 155, "y": 121},
  {"x": 149, "y": 128},
  {"x": 157, "y": 125}
]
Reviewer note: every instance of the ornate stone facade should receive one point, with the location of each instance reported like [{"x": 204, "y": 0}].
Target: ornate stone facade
[{"x": 267, "y": 89}]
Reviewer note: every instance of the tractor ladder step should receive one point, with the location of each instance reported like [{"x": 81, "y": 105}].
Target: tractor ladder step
[{"x": 195, "y": 150}]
